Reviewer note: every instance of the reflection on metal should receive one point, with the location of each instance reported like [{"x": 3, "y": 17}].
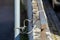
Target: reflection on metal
[
  {"x": 38, "y": 25},
  {"x": 44, "y": 24},
  {"x": 36, "y": 30},
  {"x": 36, "y": 12},
  {"x": 17, "y": 20}
]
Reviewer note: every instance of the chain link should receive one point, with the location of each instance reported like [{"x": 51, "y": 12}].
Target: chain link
[{"x": 22, "y": 28}]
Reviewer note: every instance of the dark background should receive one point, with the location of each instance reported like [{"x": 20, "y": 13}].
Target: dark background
[{"x": 6, "y": 20}]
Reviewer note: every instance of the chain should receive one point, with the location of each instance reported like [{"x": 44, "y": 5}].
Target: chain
[{"x": 22, "y": 28}]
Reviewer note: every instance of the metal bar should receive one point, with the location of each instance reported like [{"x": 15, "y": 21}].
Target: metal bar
[
  {"x": 17, "y": 20},
  {"x": 29, "y": 11}
]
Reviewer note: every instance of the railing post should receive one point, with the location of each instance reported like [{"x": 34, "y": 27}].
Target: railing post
[{"x": 17, "y": 19}]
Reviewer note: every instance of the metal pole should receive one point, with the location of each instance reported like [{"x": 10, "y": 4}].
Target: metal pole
[
  {"x": 17, "y": 20},
  {"x": 29, "y": 9}
]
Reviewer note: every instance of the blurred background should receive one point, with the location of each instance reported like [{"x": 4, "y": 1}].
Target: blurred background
[{"x": 6, "y": 19}]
